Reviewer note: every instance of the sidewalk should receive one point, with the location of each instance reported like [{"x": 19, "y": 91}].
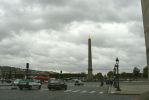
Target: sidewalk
[{"x": 130, "y": 89}]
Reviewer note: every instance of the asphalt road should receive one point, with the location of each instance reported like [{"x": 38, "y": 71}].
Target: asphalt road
[{"x": 91, "y": 91}]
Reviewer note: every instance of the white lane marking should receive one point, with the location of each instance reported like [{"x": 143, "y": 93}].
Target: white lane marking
[
  {"x": 101, "y": 92},
  {"x": 44, "y": 89},
  {"x": 76, "y": 91},
  {"x": 92, "y": 92},
  {"x": 112, "y": 92},
  {"x": 68, "y": 91},
  {"x": 84, "y": 91}
]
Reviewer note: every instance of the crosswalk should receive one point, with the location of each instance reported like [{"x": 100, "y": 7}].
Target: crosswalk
[
  {"x": 80, "y": 91},
  {"x": 98, "y": 86},
  {"x": 84, "y": 91}
]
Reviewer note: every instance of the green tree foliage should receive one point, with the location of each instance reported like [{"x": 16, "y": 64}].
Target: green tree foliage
[
  {"x": 125, "y": 75},
  {"x": 136, "y": 72},
  {"x": 110, "y": 74},
  {"x": 67, "y": 75},
  {"x": 98, "y": 76},
  {"x": 145, "y": 72}
]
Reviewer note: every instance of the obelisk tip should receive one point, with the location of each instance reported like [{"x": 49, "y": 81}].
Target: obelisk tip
[{"x": 89, "y": 36}]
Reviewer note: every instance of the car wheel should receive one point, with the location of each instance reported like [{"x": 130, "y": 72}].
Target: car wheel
[
  {"x": 21, "y": 88},
  {"x": 39, "y": 87},
  {"x": 65, "y": 87},
  {"x": 30, "y": 88}
]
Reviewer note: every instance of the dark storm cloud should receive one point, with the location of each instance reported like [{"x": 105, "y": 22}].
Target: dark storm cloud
[{"x": 53, "y": 14}]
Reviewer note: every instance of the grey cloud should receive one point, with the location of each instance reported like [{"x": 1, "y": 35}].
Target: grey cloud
[
  {"x": 51, "y": 33},
  {"x": 20, "y": 16}
]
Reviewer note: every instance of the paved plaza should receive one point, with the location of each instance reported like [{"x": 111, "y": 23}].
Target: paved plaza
[{"x": 131, "y": 88}]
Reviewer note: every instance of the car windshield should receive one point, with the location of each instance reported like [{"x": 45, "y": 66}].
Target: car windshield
[
  {"x": 17, "y": 80},
  {"x": 26, "y": 80},
  {"x": 55, "y": 81},
  {"x": 37, "y": 81}
]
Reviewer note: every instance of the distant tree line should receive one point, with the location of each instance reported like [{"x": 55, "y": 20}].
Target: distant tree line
[
  {"x": 12, "y": 72},
  {"x": 135, "y": 74},
  {"x": 67, "y": 75}
]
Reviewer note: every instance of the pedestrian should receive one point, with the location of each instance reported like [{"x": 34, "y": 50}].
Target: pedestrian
[
  {"x": 102, "y": 82},
  {"x": 111, "y": 82}
]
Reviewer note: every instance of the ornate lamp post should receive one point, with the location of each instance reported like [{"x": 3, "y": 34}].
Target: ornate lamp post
[
  {"x": 114, "y": 76},
  {"x": 117, "y": 66}
]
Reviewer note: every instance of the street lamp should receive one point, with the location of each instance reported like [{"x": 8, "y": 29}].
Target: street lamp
[
  {"x": 114, "y": 76},
  {"x": 117, "y": 66}
]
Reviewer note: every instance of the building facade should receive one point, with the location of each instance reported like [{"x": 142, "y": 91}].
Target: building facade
[{"x": 145, "y": 13}]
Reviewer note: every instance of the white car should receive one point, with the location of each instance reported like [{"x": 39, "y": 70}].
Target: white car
[
  {"x": 15, "y": 84},
  {"x": 29, "y": 83},
  {"x": 78, "y": 82}
]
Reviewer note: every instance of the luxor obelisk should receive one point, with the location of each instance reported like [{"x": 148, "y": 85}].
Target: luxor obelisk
[
  {"x": 90, "y": 74},
  {"x": 145, "y": 12}
]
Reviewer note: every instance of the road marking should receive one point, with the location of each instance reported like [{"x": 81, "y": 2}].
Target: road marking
[
  {"x": 68, "y": 91},
  {"x": 84, "y": 91},
  {"x": 76, "y": 91},
  {"x": 101, "y": 92},
  {"x": 44, "y": 89},
  {"x": 92, "y": 92},
  {"x": 112, "y": 92}
]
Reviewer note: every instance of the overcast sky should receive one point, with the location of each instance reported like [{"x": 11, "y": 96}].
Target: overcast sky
[{"x": 53, "y": 34}]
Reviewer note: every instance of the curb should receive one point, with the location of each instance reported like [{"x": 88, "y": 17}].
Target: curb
[{"x": 126, "y": 93}]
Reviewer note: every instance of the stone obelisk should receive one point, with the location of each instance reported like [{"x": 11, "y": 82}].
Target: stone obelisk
[
  {"x": 90, "y": 74},
  {"x": 145, "y": 12}
]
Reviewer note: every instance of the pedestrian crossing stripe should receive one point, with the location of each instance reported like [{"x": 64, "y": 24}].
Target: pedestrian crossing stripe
[
  {"x": 92, "y": 92},
  {"x": 44, "y": 89},
  {"x": 68, "y": 91},
  {"x": 76, "y": 91},
  {"x": 112, "y": 92},
  {"x": 79, "y": 91},
  {"x": 100, "y": 92},
  {"x": 84, "y": 91}
]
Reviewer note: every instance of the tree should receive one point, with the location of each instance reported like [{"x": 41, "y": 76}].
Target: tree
[
  {"x": 98, "y": 76},
  {"x": 145, "y": 72},
  {"x": 110, "y": 74},
  {"x": 136, "y": 72},
  {"x": 125, "y": 75}
]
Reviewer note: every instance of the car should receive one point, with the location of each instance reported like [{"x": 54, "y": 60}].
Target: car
[
  {"x": 8, "y": 80},
  {"x": 57, "y": 84},
  {"x": 29, "y": 83},
  {"x": 78, "y": 82},
  {"x": 16, "y": 82}
]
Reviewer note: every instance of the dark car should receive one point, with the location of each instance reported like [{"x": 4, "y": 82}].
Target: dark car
[{"x": 57, "y": 84}]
